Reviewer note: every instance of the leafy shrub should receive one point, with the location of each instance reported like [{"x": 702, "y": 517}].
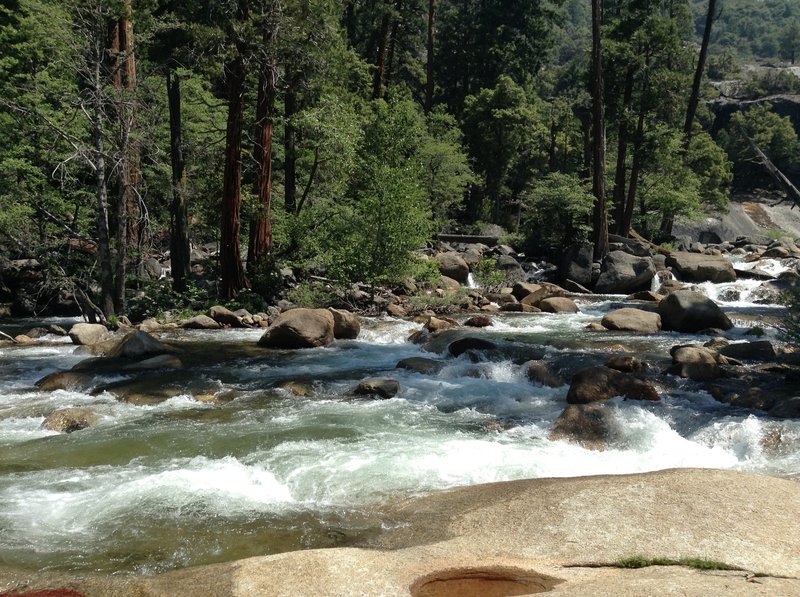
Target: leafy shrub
[
  {"x": 312, "y": 295},
  {"x": 486, "y": 274},
  {"x": 159, "y": 297}
]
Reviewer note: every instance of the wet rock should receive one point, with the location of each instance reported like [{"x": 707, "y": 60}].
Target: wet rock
[
  {"x": 225, "y": 317},
  {"x": 88, "y": 333},
  {"x": 558, "y": 304},
  {"x": 533, "y": 294},
  {"x": 298, "y": 388},
  {"x": 645, "y": 295},
  {"x": 138, "y": 344},
  {"x": 56, "y": 330},
  {"x": 453, "y": 266},
  {"x": 539, "y": 372},
  {"x": 434, "y": 324},
  {"x": 201, "y": 322},
  {"x": 383, "y": 388},
  {"x": 300, "y": 328},
  {"x": 759, "y": 350},
  {"x": 479, "y": 321},
  {"x": 699, "y": 363},
  {"x": 632, "y": 320},
  {"x": 626, "y": 364},
  {"x": 691, "y": 312},
  {"x": 67, "y": 420},
  {"x": 65, "y": 380},
  {"x": 163, "y": 361},
  {"x": 596, "y": 327},
  {"x": 346, "y": 325},
  {"x": 592, "y": 426},
  {"x": 421, "y": 365},
  {"x": 461, "y": 346},
  {"x": 697, "y": 267},
  {"x": 574, "y": 287},
  {"x": 36, "y": 333},
  {"x": 786, "y": 409},
  {"x": 623, "y": 273},
  {"x": 501, "y": 298},
  {"x": 594, "y": 384},
  {"x": 24, "y": 340}
]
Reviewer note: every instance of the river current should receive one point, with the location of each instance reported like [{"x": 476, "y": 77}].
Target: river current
[{"x": 260, "y": 470}]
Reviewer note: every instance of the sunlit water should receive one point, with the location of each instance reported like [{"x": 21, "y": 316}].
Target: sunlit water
[{"x": 186, "y": 482}]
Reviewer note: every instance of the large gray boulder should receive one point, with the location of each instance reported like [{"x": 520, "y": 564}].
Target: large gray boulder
[
  {"x": 699, "y": 363},
  {"x": 453, "y": 266},
  {"x": 225, "y": 316},
  {"x": 300, "y": 328},
  {"x": 623, "y": 273},
  {"x": 595, "y": 384},
  {"x": 691, "y": 312},
  {"x": 628, "y": 319},
  {"x": 201, "y": 322},
  {"x": 698, "y": 267},
  {"x": 84, "y": 334}
]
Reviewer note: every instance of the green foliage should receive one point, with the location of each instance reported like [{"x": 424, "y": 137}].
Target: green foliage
[
  {"x": 763, "y": 83},
  {"x": 487, "y": 276},
  {"x": 159, "y": 297},
  {"x": 711, "y": 165},
  {"x": 697, "y": 563},
  {"x": 265, "y": 278},
  {"x": 444, "y": 302},
  {"x": 506, "y": 141},
  {"x": 371, "y": 233},
  {"x": 558, "y": 208},
  {"x": 775, "y": 136},
  {"x": 312, "y": 295},
  {"x": 425, "y": 272},
  {"x": 723, "y": 66}
]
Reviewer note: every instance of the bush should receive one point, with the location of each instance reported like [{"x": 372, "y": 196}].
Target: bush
[
  {"x": 487, "y": 276},
  {"x": 312, "y": 295},
  {"x": 557, "y": 210},
  {"x": 159, "y": 297}
]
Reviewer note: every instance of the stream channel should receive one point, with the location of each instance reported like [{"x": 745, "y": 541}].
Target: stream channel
[{"x": 258, "y": 470}]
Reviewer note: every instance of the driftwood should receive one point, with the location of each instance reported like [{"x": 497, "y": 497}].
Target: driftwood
[
  {"x": 658, "y": 249},
  {"x": 90, "y": 311},
  {"x": 7, "y": 337}
]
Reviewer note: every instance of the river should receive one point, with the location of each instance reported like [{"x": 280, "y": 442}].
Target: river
[{"x": 259, "y": 470}]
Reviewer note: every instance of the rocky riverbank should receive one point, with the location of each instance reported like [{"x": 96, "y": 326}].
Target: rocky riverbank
[{"x": 565, "y": 536}]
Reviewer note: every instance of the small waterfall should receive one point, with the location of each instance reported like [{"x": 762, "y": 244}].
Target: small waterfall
[
  {"x": 659, "y": 279},
  {"x": 471, "y": 283}
]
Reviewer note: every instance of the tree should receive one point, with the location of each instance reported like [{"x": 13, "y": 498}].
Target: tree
[
  {"x": 790, "y": 40},
  {"x": 600, "y": 217}
]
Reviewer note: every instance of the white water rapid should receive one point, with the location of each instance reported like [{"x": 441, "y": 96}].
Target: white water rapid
[{"x": 186, "y": 482}]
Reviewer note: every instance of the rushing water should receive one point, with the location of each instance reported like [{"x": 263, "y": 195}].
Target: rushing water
[{"x": 261, "y": 470}]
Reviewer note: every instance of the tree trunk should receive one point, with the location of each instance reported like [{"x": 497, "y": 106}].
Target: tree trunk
[
  {"x": 127, "y": 211},
  {"x": 231, "y": 270},
  {"x": 600, "y": 218},
  {"x": 622, "y": 157},
  {"x": 179, "y": 251},
  {"x": 101, "y": 193},
  {"x": 636, "y": 169},
  {"x": 430, "y": 43},
  {"x": 289, "y": 151},
  {"x": 261, "y": 227},
  {"x": 383, "y": 47},
  {"x": 694, "y": 98},
  {"x": 389, "y": 70}
]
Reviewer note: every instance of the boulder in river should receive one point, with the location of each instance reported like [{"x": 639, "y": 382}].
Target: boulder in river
[
  {"x": 463, "y": 345},
  {"x": 691, "y": 312},
  {"x": 541, "y": 373},
  {"x": 452, "y": 265},
  {"x": 139, "y": 344},
  {"x": 421, "y": 365},
  {"x": 224, "y": 316},
  {"x": 65, "y": 380},
  {"x": 201, "y": 322},
  {"x": 88, "y": 333},
  {"x": 623, "y": 273},
  {"x": 67, "y": 420},
  {"x": 373, "y": 386},
  {"x": 479, "y": 321},
  {"x": 699, "y": 363},
  {"x": 758, "y": 350},
  {"x": 590, "y": 425},
  {"x": 629, "y": 319},
  {"x": 299, "y": 328},
  {"x": 346, "y": 325},
  {"x": 594, "y": 384},
  {"x": 698, "y": 267},
  {"x": 558, "y": 304}
]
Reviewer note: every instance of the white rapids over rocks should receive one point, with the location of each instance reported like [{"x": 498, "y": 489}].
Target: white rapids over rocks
[{"x": 185, "y": 482}]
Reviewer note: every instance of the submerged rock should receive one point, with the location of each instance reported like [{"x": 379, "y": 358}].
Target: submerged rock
[
  {"x": 539, "y": 372},
  {"x": 421, "y": 365},
  {"x": 300, "y": 328},
  {"x": 138, "y": 344},
  {"x": 67, "y": 420},
  {"x": 590, "y": 425},
  {"x": 463, "y": 345},
  {"x": 383, "y": 388}
]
